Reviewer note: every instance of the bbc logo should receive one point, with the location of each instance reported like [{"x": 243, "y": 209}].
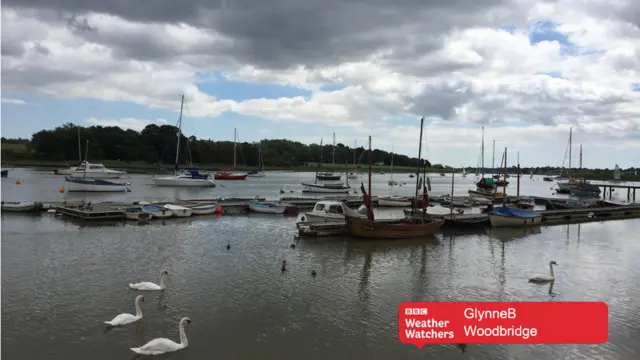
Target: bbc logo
[{"x": 415, "y": 311}]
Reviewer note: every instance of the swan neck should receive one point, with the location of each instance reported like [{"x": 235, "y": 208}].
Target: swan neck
[
  {"x": 162, "y": 281},
  {"x": 183, "y": 336},
  {"x": 138, "y": 310},
  {"x": 551, "y": 270}
]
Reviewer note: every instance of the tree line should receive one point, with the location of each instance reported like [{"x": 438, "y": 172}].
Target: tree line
[{"x": 157, "y": 144}]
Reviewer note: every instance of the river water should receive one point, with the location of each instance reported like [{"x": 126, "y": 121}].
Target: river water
[{"x": 62, "y": 278}]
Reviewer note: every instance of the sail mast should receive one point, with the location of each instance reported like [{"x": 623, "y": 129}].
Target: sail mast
[
  {"x": 176, "y": 166},
  {"x": 413, "y": 206},
  {"x": 482, "y": 151}
]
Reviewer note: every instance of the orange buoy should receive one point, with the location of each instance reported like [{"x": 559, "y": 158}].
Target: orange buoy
[
  {"x": 219, "y": 210},
  {"x": 17, "y": 182},
  {"x": 128, "y": 189},
  {"x": 61, "y": 190}
]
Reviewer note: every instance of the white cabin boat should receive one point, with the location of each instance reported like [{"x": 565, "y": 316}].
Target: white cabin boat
[
  {"x": 66, "y": 172},
  {"x": 98, "y": 171},
  {"x": 329, "y": 211},
  {"x": 136, "y": 213},
  {"x": 394, "y": 201},
  {"x": 327, "y": 188},
  {"x": 179, "y": 211},
  {"x": 506, "y": 216},
  {"x": 86, "y": 184},
  {"x": 21, "y": 206},
  {"x": 190, "y": 178}
]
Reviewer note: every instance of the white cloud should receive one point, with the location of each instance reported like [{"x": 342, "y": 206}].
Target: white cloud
[
  {"x": 13, "y": 101},
  {"x": 464, "y": 71},
  {"x": 126, "y": 123}
]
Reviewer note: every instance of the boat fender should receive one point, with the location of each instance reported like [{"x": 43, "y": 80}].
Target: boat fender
[{"x": 303, "y": 218}]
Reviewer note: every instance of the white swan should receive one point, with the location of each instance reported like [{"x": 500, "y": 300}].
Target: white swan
[
  {"x": 544, "y": 278},
  {"x": 124, "y": 319},
  {"x": 146, "y": 285},
  {"x": 161, "y": 345}
]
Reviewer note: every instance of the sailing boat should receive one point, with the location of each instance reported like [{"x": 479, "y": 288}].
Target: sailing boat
[
  {"x": 329, "y": 175},
  {"x": 392, "y": 229},
  {"x": 353, "y": 175},
  {"x": 565, "y": 184},
  {"x": 487, "y": 183},
  {"x": 392, "y": 182},
  {"x": 81, "y": 182},
  {"x": 70, "y": 170},
  {"x": 229, "y": 174},
  {"x": 330, "y": 188},
  {"x": 190, "y": 177},
  {"x": 259, "y": 173}
]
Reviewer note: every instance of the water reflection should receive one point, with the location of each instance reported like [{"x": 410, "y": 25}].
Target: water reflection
[
  {"x": 551, "y": 293},
  {"x": 510, "y": 234}
]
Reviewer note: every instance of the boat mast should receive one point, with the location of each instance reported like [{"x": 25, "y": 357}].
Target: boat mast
[
  {"x": 392, "y": 163},
  {"x": 234, "y": 146},
  {"x": 86, "y": 159},
  {"x": 482, "y": 151},
  {"x": 580, "y": 156},
  {"x": 79, "y": 146},
  {"x": 176, "y": 166},
  {"x": 369, "y": 210},
  {"x": 453, "y": 172},
  {"x": 504, "y": 185},
  {"x": 355, "y": 145},
  {"x": 321, "y": 162},
  {"x": 493, "y": 161},
  {"x": 333, "y": 150},
  {"x": 570, "y": 139},
  {"x": 413, "y": 206},
  {"x": 518, "y": 189}
]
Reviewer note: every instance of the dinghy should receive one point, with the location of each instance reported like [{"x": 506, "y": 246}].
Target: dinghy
[
  {"x": 157, "y": 211},
  {"x": 506, "y": 216},
  {"x": 21, "y": 206},
  {"x": 179, "y": 211},
  {"x": 136, "y": 213},
  {"x": 205, "y": 209},
  {"x": 272, "y": 207}
]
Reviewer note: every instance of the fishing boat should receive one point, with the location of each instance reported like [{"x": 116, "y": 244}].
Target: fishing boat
[
  {"x": 4, "y": 173},
  {"x": 326, "y": 188},
  {"x": 272, "y": 207},
  {"x": 21, "y": 206},
  {"x": 506, "y": 216},
  {"x": 205, "y": 209},
  {"x": 86, "y": 184},
  {"x": 394, "y": 201},
  {"x": 327, "y": 211},
  {"x": 157, "y": 211},
  {"x": 393, "y": 229},
  {"x": 136, "y": 213},
  {"x": 179, "y": 211}
]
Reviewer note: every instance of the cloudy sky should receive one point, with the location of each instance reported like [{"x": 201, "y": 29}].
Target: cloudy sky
[{"x": 303, "y": 69}]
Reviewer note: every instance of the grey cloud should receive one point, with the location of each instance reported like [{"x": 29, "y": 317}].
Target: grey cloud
[{"x": 280, "y": 34}]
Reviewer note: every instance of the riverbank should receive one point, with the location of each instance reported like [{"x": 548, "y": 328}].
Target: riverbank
[{"x": 135, "y": 167}]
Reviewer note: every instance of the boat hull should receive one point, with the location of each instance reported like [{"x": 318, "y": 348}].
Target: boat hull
[
  {"x": 92, "y": 185},
  {"x": 179, "y": 211},
  {"x": 182, "y": 182},
  {"x": 583, "y": 193},
  {"x": 98, "y": 174},
  {"x": 513, "y": 221},
  {"x": 257, "y": 175},
  {"x": 158, "y": 212},
  {"x": 267, "y": 208},
  {"x": 400, "y": 229},
  {"x": 386, "y": 202},
  {"x": 229, "y": 176},
  {"x": 204, "y": 209},
  {"x": 21, "y": 206},
  {"x": 138, "y": 215},
  {"x": 319, "y": 189}
]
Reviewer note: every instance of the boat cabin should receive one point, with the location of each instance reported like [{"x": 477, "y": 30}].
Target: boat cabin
[{"x": 331, "y": 207}]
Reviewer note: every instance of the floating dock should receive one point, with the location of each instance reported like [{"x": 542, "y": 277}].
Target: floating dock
[{"x": 549, "y": 217}]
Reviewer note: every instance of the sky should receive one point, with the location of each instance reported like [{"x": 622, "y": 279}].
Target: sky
[{"x": 527, "y": 71}]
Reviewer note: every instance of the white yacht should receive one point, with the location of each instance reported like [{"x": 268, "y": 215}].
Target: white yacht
[
  {"x": 328, "y": 211},
  {"x": 98, "y": 171}
]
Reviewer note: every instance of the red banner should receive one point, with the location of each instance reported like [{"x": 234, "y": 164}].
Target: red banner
[{"x": 422, "y": 323}]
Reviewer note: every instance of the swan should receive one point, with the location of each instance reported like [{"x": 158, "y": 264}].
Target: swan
[
  {"x": 544, "y": 278},
  {"x": 162, "y": 345},
  {"x": 124, "y": 319},
  {"x": 146, "y": 285}
]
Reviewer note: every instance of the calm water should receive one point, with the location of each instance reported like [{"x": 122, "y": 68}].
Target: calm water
[{"x": 61, "y": 279}]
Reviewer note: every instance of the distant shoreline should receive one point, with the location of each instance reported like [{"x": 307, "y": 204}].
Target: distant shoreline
[{"x": 144, "y": 168}]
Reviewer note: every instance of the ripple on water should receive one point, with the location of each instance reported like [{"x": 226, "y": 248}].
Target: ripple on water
[{"x": 61, "y": 279}]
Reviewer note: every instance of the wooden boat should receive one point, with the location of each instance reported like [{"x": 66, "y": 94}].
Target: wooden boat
[
  {"x": 506, "y": 216},
  {"x": 466, "y": 220},
  {"x": 4, "y": 173},
  {"x": 85, "y": 184},
  {"x": 272, "y": 207},
  {"x": 157, "y": 211},
  {"x": 392, "y": 229},
  {"x": 179, "y": 211},
  {"x": 399, "y": 229},
  {"x": 205, "y": 209},
  {"x": 136, "y": 213},
  {"x": 558, "y": 204},
  {"x": 21, "y": 206},
  {"x": 394, "y": 201}
]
